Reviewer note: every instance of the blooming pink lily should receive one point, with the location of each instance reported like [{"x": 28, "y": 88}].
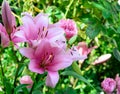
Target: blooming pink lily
[
  {"x": 37, "y": 28},
  {"x": 48, "y": 57},
  {"x": 69, "y": 27}
]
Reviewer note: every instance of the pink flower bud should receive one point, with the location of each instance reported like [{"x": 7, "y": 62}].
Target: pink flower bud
[
  {"x": 7, "y": 17},
  {"x": 26, "y": 80},
  {"x": 108, "y": 85},
  {"x": 102, "y": 59}
]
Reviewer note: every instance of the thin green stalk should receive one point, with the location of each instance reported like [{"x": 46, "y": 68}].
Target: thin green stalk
[
  {"x": 1, "y": 67},
  {"x": 75, "y": 82},
  {"x": 68, "y": 7},
  {"x": 34, "y": 83},
  {"x": 14, "y": 84},
  {"x": 2, "y": 72},
  {"x": 18, "y": 68},
  {"x": 32, "y": 88}
]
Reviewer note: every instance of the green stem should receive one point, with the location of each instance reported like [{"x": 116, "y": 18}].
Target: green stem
[
  {"x": 88, "y": 68},
  {"x": 1, "y": 67},
  {"x": 2, "y": 72},
  {"x": 75, "y": 82},
  {"x": 34, "y": 83},
  {"x": 68, "y": 7},
  {"x": 18, "y": 67},
  {"x": 32, "y": 88},
  {"x": 14, "y": 84}
]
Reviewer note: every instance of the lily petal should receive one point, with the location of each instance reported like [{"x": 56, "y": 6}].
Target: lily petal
[
  {"x": 60, "y": 62},
  {"x": 35, "y": 67},
  {"x": 4, "y": 36},
  {"x": 19, "y": 36},
  {"x": 52, "y": 79},
  {"x": 27, "y": 52},
  {"x": 55, "y": 33},
  {"x": 29, "y": 28},
  {"x": 41, "y": 21},
  {"x": 4, "y": 39}
]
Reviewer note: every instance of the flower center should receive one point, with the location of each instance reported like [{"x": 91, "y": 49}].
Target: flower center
[{"x": 46, "y": 60}]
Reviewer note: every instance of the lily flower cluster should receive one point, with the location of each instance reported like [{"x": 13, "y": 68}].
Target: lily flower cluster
[{"x": 46, "y": 43}]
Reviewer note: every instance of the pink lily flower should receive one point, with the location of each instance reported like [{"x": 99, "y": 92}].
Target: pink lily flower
[
  {"x": 37, "y": 28},
  {"x": 108, "y": 85},
  {"x": 48, "y": 57},
  {"x": 69, "y": 27}
]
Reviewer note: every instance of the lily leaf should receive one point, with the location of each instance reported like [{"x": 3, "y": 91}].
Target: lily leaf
[{"x": 74, "y": 74}]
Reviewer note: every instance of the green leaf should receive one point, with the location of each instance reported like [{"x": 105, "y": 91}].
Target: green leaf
[
  {"x": 37, "y": 92},
  {"x": 100, "y": 7},
  {"x": 72, "y": 40},
  {"x": 21, "y": 68},
  {"x": 20, "y": 87},
  {"x": 8, "y": 86},
  {"x": 116, "y": 53},
  {"x": 106, "y": 14},
  {"x": 74, "y": 74},
  {"x": 70, "y": 90},
  {"x": 76, "y": 68},
  {"x": 1, "y": 92},
  {"x": 118, "y": 29},
  {"x": 92, "y": 31},
  {"x": 39, "y": 84},
  {"x": 25, "y": 90}
]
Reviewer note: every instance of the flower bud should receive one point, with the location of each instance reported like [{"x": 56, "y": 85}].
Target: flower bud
[
  {"x": 7, "y": 17},
  {"x": 26, "y": 80},
  {"x": 102, "y": 59}
]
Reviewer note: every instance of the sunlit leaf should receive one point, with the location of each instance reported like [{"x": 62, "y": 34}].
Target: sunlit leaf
[
  {"x": 74, "y": 74},
  {"x": 72, "y": 40},
  {"x": 76, "y": 68}
]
